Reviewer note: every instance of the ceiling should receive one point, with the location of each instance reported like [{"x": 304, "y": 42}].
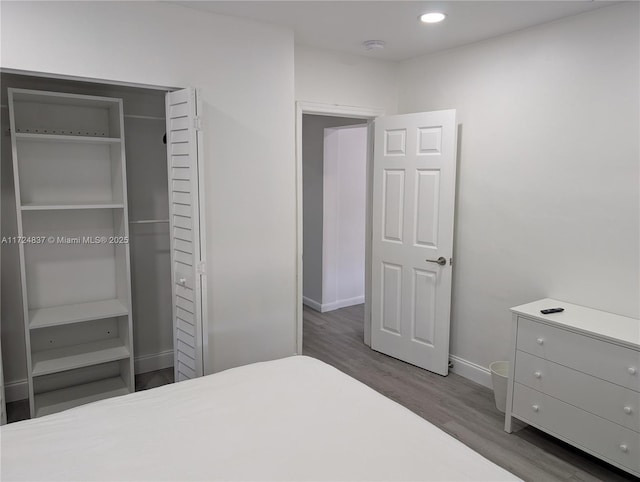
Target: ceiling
[{"x": 344, "y": 25}]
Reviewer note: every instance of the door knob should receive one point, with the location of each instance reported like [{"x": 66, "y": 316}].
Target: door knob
[
  {"x": 182, "y": 282},
  {"x": 441, "y": 260}
]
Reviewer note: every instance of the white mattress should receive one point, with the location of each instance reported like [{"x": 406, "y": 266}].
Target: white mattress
[{"x": 290, "y": 419}]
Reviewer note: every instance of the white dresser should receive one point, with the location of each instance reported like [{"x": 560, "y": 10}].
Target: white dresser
[{"x": 576, "y": 376}]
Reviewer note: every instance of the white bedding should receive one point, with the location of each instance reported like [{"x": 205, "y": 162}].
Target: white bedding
[{"x": 290, "y": 419}]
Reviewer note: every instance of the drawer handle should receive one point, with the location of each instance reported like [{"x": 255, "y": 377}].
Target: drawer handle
[
  {"x": 537, "y": 374},
  {"x": 632, "y": 370},
  {"x": 624, "y": 447},
  {"x": 535, "y": 408},
  {"x": 540, "y": 341},
  {"x": 627, "y": 410}
]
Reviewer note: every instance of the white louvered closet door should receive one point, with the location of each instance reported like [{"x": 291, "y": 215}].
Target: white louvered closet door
[{"x": 187, "y": 233}]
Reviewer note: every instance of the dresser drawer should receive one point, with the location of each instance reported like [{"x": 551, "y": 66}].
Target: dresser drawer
[
  {"x": 604, "y": 360},
  {"x": 610, "y": 401},
  {"x": 607, "y": 439}
]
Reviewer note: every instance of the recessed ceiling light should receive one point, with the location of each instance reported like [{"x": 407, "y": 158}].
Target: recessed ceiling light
[
  {"x": 432, "y": 17},
  {"x": 374, "y": 44}
]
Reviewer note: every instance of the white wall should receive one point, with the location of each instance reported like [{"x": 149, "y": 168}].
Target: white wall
[
  {"x": 548, "y": 176},
  {"x": 345, "y": 186},
  {"x": 245, "y": 71},
  {"x": 337, "y": 78},
  {"x": 313, "y": 132},
  {"x": 12, "y": 327}
]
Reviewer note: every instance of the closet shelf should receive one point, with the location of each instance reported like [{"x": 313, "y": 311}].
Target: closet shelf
[
  {"x": 70, "y": 163},
  {"x": 78, "y": 356},
  {"x": 68, "y": 314},
  {"x": 58, "y": 400},
  {"x": 57, "y": 207},
  {"x": 26, "y": 136}
]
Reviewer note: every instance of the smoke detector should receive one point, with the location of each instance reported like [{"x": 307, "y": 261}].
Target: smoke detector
[{"x": 374, "y": 44}]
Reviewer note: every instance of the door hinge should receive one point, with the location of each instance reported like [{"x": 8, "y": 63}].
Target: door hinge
[
  {"x": 197, "y": 123},
  {"x": 201, "y": 268}
]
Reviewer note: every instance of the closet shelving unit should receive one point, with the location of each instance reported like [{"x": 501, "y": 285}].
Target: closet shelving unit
[{"x": 70, "y": 182}]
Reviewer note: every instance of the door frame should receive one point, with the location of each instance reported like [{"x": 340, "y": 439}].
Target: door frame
[
  {"x": 334, "y": 110},
  {"x": 95, "y": 80}
]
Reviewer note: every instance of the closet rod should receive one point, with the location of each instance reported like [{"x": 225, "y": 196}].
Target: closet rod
[{"x": 149, "y": 221}]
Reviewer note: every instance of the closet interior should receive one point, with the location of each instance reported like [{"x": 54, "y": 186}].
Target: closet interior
[{"x": 92, "y": 202}]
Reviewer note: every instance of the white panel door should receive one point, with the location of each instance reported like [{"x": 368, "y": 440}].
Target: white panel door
[
  {"x": 414, "y": 177},
  {"x": 187, "y": 233}
]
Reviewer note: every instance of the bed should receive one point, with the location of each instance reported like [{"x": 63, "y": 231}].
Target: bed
[{"x": 290, "y": 419}]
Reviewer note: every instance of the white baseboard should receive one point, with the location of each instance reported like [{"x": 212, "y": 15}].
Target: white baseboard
[
  {"x": 335, "y": 305},
  {"x": 155, "y": 361},
  {"x": 19, "y": 390},
  {"x": 358, "y": 300},
  {"x": 470, "y": 370},
  {"x": 313, "y": 304}
]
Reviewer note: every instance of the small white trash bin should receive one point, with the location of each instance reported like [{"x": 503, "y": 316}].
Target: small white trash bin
[{"x": 499, "y": 378}]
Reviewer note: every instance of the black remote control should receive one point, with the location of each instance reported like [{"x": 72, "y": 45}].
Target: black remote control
[{"x": 551, "y": 310}]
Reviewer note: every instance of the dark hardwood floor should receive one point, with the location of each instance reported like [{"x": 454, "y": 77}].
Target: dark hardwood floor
[{"x": 458, "y": 406}]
